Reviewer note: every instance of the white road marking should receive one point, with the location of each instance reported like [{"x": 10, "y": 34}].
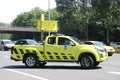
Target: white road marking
[
  {"x": 6, "y": 57},
  {"x": 26, "y": 74},
  {"x": 114, "y": 72}
]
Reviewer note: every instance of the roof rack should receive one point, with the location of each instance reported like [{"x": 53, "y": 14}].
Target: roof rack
[{"x": 57, "y": 34}]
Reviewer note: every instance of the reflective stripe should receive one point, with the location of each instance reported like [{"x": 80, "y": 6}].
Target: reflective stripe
[
  {"x": 21, "y": 51},
  {"x": 59, "y": 56},
  {"x": 34, "y": 52},
  {"x": 27, "y": 51},
  {"x": 48, "y": 56},
  {"x": 71, "y": 56},
  {"x": 17, "y": 54},
  {"x": 15, "y": 51}
]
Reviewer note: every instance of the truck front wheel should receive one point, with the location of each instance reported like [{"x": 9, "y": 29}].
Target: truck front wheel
[
  {"x": 87, "y": 62},
  {"x": 30, "y": 61}
]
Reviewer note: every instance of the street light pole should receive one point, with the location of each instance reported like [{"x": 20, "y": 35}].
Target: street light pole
[
  {"x": 49, "y": 10},
  {"x": 49, "y": 13}
]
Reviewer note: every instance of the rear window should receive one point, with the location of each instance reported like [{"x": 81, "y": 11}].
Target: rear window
[{"x": 51, "y": 40}]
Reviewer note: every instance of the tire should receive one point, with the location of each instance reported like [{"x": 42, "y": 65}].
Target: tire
[
  {"x": 5, "y": 49},
  {"x": 110, "y": 54},
  {"x": 42, "y": 64},
  {"x": 87, "y": 62},
  {"x": 31, "y": 61},
  {"x": 97, "y": 63}
]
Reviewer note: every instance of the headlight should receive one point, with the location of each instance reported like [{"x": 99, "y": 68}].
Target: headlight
[
  {"x": 106, "y": 50},
  {"x": 100, "y": 49}
]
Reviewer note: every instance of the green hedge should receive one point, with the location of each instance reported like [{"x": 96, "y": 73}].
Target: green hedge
[{"x": 117, "y": 49}]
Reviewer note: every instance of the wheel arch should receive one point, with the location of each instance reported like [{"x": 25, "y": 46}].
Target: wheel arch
[
  {"x": 87, "y": 54},
  {"x": 29, "y": 54}
]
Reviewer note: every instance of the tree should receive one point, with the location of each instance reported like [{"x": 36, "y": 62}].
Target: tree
[
  {"x": 80, "y": 18},
  {"x": 4, "y": 36},
  {"x": 75, "y": 16},
  {"x": 28, "y": 18},
  {"x": 107, "y": 13},
  {"x": 54, "y": 14},
  {"x": 94, "y": 17}
]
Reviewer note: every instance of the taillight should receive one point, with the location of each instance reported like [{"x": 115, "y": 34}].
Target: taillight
[{"x": 12, "y": 50}]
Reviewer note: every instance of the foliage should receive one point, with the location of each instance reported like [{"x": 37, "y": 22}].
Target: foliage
[
  {"x": 100, "y": 17},
  {"x": 71, "y": 18},
  {"x": 28, "y": 18},
  {"x": 54, "y": 14},
  {"x": 92, "y": 19},
  {"x": 4, "y": 36},
  {"x": 117, "y": 49},
  {"x": 3, "y": 24},
  {"x": 107, "y": 13}
]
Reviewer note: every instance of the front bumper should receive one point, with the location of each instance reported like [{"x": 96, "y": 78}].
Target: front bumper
[{"x": 102, "y": 56}]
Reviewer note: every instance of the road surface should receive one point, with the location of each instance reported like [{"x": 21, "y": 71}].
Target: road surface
[{"x": 12, "y": 70}]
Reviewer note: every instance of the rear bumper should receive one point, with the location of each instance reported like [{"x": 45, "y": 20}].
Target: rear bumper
[{"x": 14, "y": 59}]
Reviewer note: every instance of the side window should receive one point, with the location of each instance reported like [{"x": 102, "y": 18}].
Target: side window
[
  {"x": 64, "y": 41},
  {"x": 25, "y": 43},
  {"x": 89, "y": 43},
  {"x": 19, "y": 43},
  {"x": 61, "y": 41},
  {"x": 52, "y": 40}
]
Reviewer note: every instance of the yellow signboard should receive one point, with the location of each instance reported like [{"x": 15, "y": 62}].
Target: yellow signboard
[{"x": 47, "y": 25}]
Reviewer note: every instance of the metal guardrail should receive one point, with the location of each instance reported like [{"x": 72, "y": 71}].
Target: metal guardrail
[{"x": 22, "y": 28}]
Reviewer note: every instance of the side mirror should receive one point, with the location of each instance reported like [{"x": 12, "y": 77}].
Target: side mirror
[
  {"x": 72, "y": 44},
  {"x": 69, "y": 43}
]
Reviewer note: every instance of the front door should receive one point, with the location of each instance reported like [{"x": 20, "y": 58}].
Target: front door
[
  {"x": 60, "y": 49},
  {"x": 66, "y": 49}
]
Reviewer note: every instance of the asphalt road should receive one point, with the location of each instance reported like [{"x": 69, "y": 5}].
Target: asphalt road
[{"x": 11, "y": 70}]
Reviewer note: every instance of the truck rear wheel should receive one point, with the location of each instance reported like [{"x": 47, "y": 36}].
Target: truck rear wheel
[
  {"x": 30, "y": 61},
  {"x": 87, "y": 62}
]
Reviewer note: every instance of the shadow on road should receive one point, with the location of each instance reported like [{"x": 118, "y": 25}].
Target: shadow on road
[{"x": 48, "y": 67}]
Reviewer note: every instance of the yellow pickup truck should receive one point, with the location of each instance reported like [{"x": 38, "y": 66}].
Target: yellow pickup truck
[{"x": 59, "y": 48}]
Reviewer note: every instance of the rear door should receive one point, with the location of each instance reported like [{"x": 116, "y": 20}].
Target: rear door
[{"x": 50, "y": 49}]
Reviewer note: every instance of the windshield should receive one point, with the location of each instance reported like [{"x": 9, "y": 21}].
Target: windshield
[
  {"x": 8, "y": 42},
  {"x": 77, "y": 40},
  {"x": 99, "y": 43},
  {"x": 31, "y": 42}
]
